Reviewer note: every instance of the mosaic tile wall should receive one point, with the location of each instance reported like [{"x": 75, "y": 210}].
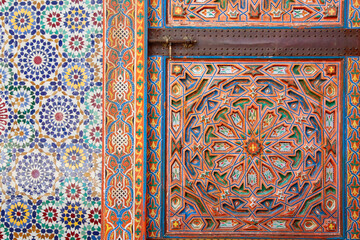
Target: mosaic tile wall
[{"x": 50, "y": 119}]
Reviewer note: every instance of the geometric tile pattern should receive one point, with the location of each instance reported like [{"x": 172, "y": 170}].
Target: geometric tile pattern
[
  {"x": 254, "y": 146},
  {"x": 255, "y": 13},
  {"x": 155, "y": 118},
  {"x": 50, "y": 119},
  {"x": 353, "y": 146}
]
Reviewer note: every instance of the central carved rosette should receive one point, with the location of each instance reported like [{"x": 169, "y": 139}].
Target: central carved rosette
[{"x": 253, "y": 147}]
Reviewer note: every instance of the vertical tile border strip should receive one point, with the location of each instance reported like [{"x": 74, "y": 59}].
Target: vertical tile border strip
[
  {"x": 123, "y": 200},
  {"x": 353, "y": 143},
  {"x": 155, "y": 140},
  {"x": 353, "y": 14}
]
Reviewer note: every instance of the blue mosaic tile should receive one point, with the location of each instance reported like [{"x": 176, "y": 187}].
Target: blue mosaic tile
[{"x": 50, "y": 119}]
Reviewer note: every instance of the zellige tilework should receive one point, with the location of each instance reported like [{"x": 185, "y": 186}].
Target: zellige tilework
[{"x": 50, "y": 119}]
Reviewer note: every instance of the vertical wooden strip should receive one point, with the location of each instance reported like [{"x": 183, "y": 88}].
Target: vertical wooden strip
[
  {"x": 140, "y": 116},
  {"x": 353, "y": 145},
  {"x": 155, "y": 15},
  {"x": 154, "y": 150},
  {"x": 119, "y": 108},
  {"x": 353, "y": 18}
]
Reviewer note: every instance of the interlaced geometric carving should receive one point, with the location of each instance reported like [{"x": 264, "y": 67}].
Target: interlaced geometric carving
[
  {"x": 253, "y": 147},
  {"x": 121, "y": 33},
  {"x": 120, "y": 140},
  {"x": 119, "y": 194},
  {"x": 121, "y": 87}
]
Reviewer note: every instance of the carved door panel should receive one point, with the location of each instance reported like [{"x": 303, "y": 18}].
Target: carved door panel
[
  {"x": 251, "y": 147},
  {"x": 246, "y": 131}
]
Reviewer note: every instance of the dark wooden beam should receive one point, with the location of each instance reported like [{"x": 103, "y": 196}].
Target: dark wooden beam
[{"x": 323, "y": 42}]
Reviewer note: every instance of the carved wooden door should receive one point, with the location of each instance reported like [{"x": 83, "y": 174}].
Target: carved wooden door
[{"x": 249, "y": 119}]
